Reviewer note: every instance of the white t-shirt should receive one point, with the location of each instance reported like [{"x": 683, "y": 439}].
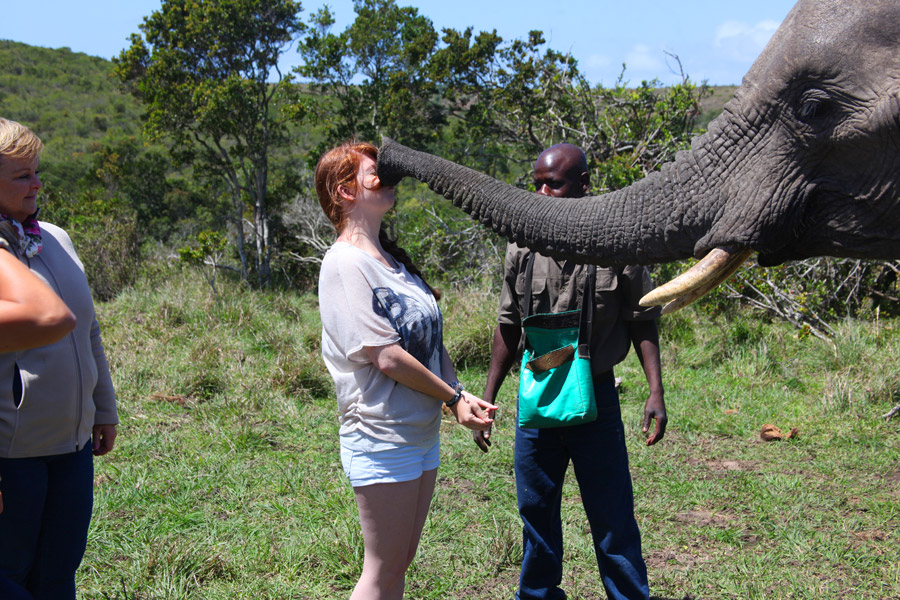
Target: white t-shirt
[{"x": 365, "y": 303}]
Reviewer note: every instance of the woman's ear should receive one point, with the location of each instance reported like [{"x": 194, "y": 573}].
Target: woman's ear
[{"x": 345, "y": 193}]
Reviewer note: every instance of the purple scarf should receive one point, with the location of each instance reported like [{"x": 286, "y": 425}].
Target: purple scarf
[{"x": 28, "y": 233}]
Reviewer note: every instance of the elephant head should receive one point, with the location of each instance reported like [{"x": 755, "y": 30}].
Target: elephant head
[{"x": 804, "y": 161}]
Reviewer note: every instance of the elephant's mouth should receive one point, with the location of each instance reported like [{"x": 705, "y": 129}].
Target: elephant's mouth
[
  {"x": 714, "y": 268},
  {"x": 699, "y": 280},
  {"x": 772, "y": 259},
  {"x": 722, "y": 262}
]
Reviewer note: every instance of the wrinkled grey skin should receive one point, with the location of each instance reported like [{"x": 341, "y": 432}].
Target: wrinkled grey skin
[{"x": 804, "y": 161}]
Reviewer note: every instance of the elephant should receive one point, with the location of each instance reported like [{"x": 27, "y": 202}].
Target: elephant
[{"x": 803, "y": 161}]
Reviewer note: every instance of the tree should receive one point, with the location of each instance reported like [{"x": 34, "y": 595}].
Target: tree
[
  {"x": 125, "y": 169},
  {"x": 204, "y": 69},
  {"x": 388, "y": 73},
  {"x": 104, "y": 229},
  {"x": 537, "y": 97},
  {"x": 479, "y": 101}
]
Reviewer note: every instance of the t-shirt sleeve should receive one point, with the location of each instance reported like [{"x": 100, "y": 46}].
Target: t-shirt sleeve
[
  {"x": 350, "y": 311},
  {"x": 635, "y": 282}
]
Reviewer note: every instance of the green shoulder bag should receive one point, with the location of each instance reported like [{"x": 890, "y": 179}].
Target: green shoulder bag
[{"x": 556, "y": 388}]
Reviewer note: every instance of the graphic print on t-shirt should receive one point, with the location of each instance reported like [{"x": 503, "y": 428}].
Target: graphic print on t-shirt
[{"x": 419, "y": 331}]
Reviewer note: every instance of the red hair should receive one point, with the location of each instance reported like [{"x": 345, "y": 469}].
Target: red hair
[{"x": 338, "y": 167}]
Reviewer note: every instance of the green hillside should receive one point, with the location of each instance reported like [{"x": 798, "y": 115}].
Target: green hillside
[
  {"x": 72, "y": 101},
  {"x": 69, "y": 99},
  {"x": 711, "y": 106}
]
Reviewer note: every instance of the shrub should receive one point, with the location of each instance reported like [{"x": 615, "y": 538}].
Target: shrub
[
  {"x": 810, "y": 294},
  {"x": 445, "y": 243},
  {"x": 105, "y": 235},
  {"x": 470, "y": 316}
]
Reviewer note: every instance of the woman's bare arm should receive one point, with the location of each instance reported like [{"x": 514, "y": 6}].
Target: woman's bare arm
[
  {"x": 402, "y": 367},
  {"x": 31, "y": 314}
]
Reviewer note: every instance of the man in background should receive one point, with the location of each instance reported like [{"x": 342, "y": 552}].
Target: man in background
[{"x": 597, "y": 449}]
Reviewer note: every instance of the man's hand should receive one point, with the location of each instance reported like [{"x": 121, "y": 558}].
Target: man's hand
[
  {"x": 104, "y": 438},
  {"x": 482, "y": 438},
  {"x": 655, "y": 408}
]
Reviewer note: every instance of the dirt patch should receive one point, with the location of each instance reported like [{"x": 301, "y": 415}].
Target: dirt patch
[
  {"x": 723, "y": 465},
  {"x": 462, "y": 490},
  {"x": 463, "y": 485},
  {"x": 686, "y": 557},
  {"x": 501, "y": 586},
  {"x": 854, "y": 502},
  {"x": 179, "y": 399},
  {"x": 101, "y": 479},
  {"x": 704, "y": 518},
  {"x": 875, "y": 535},
  {"x": 731, "y": 465},
  {"x": 892, "y": 482}
]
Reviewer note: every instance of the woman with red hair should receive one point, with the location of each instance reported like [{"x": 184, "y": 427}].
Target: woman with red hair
[{"x": 382, "y": 340}]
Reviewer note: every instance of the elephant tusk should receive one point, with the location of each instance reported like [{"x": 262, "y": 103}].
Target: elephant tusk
[
  {"x": 696, "y": 282},
  {"x": 697, "y": 293}
]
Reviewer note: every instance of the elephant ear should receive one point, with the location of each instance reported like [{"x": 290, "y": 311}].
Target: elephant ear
[{"x": 390, "y": 168}]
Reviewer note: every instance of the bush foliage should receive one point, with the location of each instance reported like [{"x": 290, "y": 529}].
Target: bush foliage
[{"x": 475, "y": 98}]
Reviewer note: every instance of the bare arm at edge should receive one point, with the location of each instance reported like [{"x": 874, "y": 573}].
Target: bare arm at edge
[
  {"x": 645, "y": 338},
  {"x": 31, "y": 314}
]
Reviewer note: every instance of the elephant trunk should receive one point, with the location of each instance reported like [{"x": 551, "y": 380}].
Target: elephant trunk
[{"x": 642, "y": 224}]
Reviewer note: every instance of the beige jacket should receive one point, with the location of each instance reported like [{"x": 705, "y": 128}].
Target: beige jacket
[{"x": 51, "y": 397}]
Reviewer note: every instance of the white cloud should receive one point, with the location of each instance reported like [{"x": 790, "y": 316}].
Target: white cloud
[
  {"x": 598, "y": 61},
  {"x": 642, "y": 58},
  {"x": 642, "y": 62},
  {"x": 742, "y": 41}
]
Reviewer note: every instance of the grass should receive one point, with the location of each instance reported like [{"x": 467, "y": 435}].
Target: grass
[{"x": 226, "y": 479}]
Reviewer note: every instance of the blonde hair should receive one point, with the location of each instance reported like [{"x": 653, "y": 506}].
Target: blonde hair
[{"x": 18, "y": 141}]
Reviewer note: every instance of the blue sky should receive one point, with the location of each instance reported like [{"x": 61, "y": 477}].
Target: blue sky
[{"x": 715, "y": 40}]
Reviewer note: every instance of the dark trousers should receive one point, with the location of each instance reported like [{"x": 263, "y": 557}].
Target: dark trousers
[
  {"x": 12, "y": 591},
  {"x": 47, "y": 503},
  {"x": 598, "y": 454}
]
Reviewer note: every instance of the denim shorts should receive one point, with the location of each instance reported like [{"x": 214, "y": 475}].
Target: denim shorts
[{"x": 388, "y": 464}]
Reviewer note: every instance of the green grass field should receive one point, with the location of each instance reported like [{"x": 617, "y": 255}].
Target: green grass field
[{"x": 226, "y": 479}]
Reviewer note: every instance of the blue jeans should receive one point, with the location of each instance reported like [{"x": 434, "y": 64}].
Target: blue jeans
[
  {"x": 597, "y": 451},
  {"x": 47, "y": 504}
]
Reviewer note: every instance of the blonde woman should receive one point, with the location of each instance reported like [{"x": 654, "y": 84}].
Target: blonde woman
[
  {"x": 57, "y": 405},
  {"x": 31, "y": 315}
]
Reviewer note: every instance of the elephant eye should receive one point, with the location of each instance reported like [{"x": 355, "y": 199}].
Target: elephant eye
[{"x": 814, "y": 104}]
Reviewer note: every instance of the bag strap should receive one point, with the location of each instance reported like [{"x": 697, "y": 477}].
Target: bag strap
[
  {"x": 529, "y": 272},
  {"x": 585, "y": 325},
  {"x": 587, "y": 313}
]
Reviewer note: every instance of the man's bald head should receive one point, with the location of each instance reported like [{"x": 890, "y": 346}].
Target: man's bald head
[{"x": 561, "y": 171}]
